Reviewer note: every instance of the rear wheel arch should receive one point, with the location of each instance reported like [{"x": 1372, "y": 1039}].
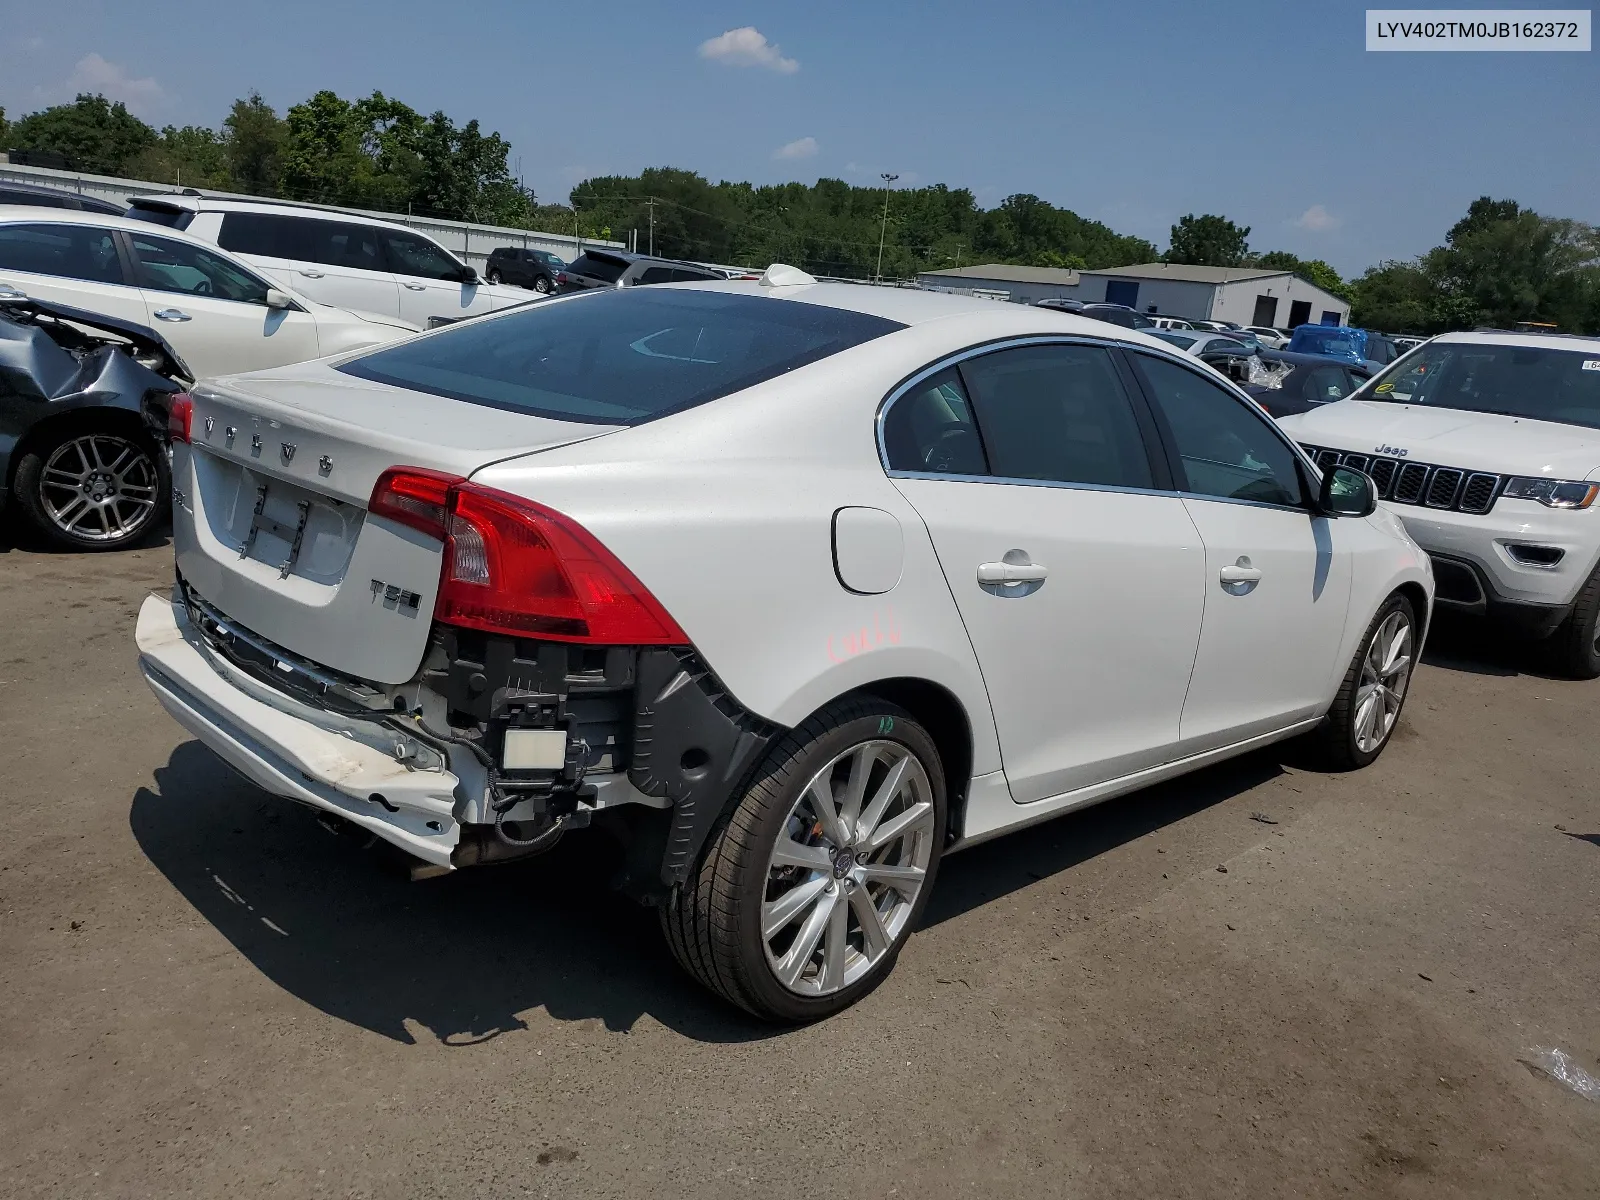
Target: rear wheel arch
[{"x": 938, "y": 711}]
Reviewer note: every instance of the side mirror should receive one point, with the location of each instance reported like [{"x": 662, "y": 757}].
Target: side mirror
[
  {"x": 1347, "y": 492},
  {"x": 469, "y": 275},
  {"x": 279, "y": 299}
]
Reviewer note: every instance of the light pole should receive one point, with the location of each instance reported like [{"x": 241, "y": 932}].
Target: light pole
[{"x": 884, "y": 228}]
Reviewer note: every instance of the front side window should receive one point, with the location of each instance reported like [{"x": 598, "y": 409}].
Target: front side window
[
  {"x": 413, "y": 254},
  {"x": 170, "y": 266},
  {"x": 931, "y": 428},
  {"x": 1226, "y": 450},
  {"x": 1057, "y": 413},
  {"x": 1538, "y": 383},
  {"x": 619, "y": 356},
  {"x": 68, "y": 251}
]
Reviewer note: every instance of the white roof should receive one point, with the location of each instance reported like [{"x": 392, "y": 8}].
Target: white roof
[
  {"x": 1543, "y": 341},
  {"x": 280, "y": 208},
  {"x": 73, "y": 216}
]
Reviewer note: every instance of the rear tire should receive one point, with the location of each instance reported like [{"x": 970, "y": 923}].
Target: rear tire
[
  {"x": 1575, "y": 645},
  {"x": 1367, "y": 708},
  {"x": 771, "y": 917},
  {"x": 493, "y": 277},
  {"x": 543, "y": 286},
  {"x": 93, "y": 486}
]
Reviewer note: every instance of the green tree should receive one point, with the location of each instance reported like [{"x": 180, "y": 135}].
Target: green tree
[
  {"x": 193, "y": 156},
  {"x": 5, "y": 128},
  {"x": 1312, "y": 270},
  {"x": 1208, "y": 240},
  {"x": 1519, "y": 267},
  {"x": 1481, "y": 214},
  {"x": 92, "y": 133},
  {"x": 1395, "y": 296},
  {"x": 254, "y": 141}
]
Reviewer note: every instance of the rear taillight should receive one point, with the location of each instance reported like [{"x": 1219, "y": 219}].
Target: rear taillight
[
  {"x": 414, "y": 496},
  {"x": 515, "y": 567},
  {"x": 561, "y": 277},
  {"x": 180, "y": 414}
]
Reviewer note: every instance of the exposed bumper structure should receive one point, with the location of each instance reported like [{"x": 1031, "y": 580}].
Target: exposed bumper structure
[{"x": 342, "y": 766}]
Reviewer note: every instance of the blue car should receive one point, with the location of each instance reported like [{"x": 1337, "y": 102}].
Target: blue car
[{"x": 1345, "y": 344}]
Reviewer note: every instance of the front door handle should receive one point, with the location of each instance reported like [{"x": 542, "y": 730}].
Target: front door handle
[
  {"x": 1004, "y": 572},
  {"x": 312, "y": 274},
  {"x": 417, "y": 287},
  {"x": 1240, "y": 572},
  {"x": 172, "y": 314}
]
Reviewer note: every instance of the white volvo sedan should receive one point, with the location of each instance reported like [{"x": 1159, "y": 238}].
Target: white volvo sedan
[{"x": 792, "y": 587}]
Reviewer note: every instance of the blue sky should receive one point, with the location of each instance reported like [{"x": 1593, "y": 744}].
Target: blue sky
[{"x": 1131, "y": 113}]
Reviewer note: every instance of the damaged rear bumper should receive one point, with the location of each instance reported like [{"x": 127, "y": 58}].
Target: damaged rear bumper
[{"x": 339, "y": 765}]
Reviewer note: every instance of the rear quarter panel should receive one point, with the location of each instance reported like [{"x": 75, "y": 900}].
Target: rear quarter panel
[{"x": 725, "y": 512}]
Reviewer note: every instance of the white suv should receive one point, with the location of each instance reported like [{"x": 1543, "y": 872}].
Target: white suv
[
  {"x": 338, "y": 258},
  {"x": 1487, "y": 446}
]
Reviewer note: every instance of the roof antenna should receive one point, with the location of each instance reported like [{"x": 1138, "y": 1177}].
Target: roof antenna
[{"x": 783, "y": 275}]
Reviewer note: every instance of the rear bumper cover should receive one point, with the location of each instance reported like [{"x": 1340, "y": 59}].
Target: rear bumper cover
[{"x": 342, "y": 766}]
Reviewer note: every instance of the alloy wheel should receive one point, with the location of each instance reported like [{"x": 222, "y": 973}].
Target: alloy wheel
[
  {"x": 849, "y": 862},
  {"x": 541, "y": 284},
  {"x": 100, "y": 488},
  {"x": 1385, "y": 674}
]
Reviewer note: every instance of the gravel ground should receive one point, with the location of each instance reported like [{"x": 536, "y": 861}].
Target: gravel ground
[{"x": 1259, "y": 980}]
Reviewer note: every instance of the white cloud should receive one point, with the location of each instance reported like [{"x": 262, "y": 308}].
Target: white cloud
[
  {"x": 1317, "y": 219},
  {"x": 747, "y": 46},
  {"x": 805, "y": 147},
  {"x": 95, "y": 74}
]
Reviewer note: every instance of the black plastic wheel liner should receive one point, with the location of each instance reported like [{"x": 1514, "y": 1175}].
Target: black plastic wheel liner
[{"x": 693, "y": 744}]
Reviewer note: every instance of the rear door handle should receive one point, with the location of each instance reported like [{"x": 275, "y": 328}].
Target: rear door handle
[
  {"x": 312, "y": 274},
  {"x": 1240, "y": 574},
  {"x": 417, "y": 287},
  {"x": 1004, "y": 572},
  {"x": 172, "y": 314}
]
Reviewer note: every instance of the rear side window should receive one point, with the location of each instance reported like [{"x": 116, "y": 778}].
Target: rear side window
[
  {"x": 597, "y": 266},
  {"x": 160, "y": 214},
  {"x": 68, "y": 251},
  {"x": 1058, "y": 414},
  {"x": 658, "y": 275},
  {"x": 931, "y": 428},
  {"x": 621, "y": 356},
  {"x": 302, "y": 239}
]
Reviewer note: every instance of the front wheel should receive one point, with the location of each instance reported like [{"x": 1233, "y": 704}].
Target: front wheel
[
  {"x": 1575, "y": 645},
  {"x": 1364, "y": 713},
  {"x": 809, "y": 888},
  {"x": 92, "y": 489}
]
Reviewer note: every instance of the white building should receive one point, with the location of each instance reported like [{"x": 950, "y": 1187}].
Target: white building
[{"x": 1246, "y": 295}]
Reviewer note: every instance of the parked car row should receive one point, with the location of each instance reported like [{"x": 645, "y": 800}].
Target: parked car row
[{"x": 995, "y": 564}]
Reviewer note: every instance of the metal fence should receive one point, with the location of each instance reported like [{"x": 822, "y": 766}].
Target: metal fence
[{"x": 467, "y": 240}]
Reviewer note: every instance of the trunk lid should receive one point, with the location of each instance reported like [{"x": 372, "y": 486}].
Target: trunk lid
[{"x": 270, "y": 523}]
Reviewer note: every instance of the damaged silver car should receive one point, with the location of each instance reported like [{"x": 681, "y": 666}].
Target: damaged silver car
[{"x": 76, "y": 461}]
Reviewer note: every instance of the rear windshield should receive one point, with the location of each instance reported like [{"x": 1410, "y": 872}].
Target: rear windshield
[
  {"x": 620, "y": 356},
  {"x": 172, "y": 218},
  {"x": 1535, "y": 382},
  {"x": 597, "y": 266}
]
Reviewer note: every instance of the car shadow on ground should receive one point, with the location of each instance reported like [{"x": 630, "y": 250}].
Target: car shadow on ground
[
  {"x": 1458, "y": 642},
  {"x": 459, "y": 958},
  {"x": 994, "y": 869}
]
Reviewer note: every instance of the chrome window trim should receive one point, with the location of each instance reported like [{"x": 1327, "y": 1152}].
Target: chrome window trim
[{"x": 1103, "y": 343}]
